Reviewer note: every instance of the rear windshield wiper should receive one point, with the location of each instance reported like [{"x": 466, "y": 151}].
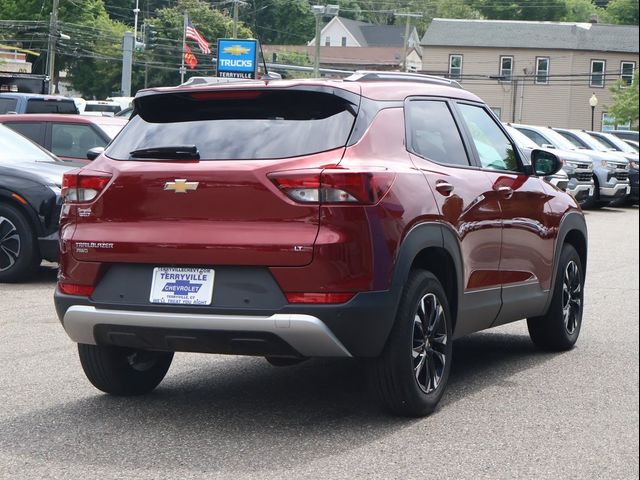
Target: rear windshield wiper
[{"x": 175, "y": 152}]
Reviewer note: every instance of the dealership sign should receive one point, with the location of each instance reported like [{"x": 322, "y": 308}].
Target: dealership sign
[{"x": 237, "y": 58}]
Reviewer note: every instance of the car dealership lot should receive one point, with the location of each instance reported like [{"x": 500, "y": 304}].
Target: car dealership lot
[{"x": 509, "y": 411}]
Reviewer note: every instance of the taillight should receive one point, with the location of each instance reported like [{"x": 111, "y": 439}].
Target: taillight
[
  {"x": 73, "y": 289},
  {"x": 334, "y": 185},
  {"x": 319, "y": 297},
  {"x": 83, "y": 187}
]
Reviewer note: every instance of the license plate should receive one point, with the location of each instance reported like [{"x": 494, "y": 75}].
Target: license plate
[
  {"x": 592, "y": 191},
  {"x": 183, "y": 286},
  {"x": 628, "y": 189}
]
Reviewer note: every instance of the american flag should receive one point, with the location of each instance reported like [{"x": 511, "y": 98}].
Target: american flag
[{"x": 193, "y": 34}]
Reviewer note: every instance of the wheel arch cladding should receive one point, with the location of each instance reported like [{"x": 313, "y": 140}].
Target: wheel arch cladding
[
  {"x": 573, "y": 231},
  {"x": 432, "y": 247}
]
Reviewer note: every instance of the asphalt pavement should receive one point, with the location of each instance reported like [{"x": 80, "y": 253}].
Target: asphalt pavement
[{"x": 509, "y": 411}]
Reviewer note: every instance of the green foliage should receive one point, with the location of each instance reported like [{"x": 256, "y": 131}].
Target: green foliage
[
  {"x": 548, "y": 10},
  {"x": 624, "y": 12},
  {"x": 625, "y": 101},
  {"x": 581, "y": 11}
]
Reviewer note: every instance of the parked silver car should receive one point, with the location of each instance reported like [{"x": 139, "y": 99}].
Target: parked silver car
[
  {"x": 610, "y": 172},
  {"x": 577, "y": 168}
]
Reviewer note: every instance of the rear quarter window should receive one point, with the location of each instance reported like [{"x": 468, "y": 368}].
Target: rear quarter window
[
  {"x": 8, "y": 105},
  {"x": 239, "y": 125}
]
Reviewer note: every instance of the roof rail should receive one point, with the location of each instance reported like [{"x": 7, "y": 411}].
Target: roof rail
[{"x": 376, "y": 76}]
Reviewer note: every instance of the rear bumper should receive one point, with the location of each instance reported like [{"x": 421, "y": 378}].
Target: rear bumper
[
  {"x": 306, "y": 334},
  {"x": 358, "y": 328}
]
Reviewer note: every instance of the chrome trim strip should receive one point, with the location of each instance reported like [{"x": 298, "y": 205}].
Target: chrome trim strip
[{"x": 306, "y": 333}]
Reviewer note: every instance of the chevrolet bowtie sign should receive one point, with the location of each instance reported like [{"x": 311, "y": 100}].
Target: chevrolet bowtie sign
[{"x": 237, "y": 58}]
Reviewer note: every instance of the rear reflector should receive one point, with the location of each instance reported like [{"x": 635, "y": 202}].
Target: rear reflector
[
  {"x": 84, "y": 186},
  {"x": 72, "y": 289},
  {"x": 334, "y": 185},
  {"x": 319, "y": 297}
]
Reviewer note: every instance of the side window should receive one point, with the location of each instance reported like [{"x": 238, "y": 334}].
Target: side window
[
  {"x": 494, "y": 148},
  {"x": 73, "y": 140},
  {"x": 433, "y": 133},
  {"x": 535, "y": 136},
  {"x": 32, "y": 130},
  {"x": 572, "y": 139},
  {"x": 8, "y": 105}
]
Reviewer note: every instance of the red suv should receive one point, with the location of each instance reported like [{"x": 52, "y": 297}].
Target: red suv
[{"x": 382, "y": 216}]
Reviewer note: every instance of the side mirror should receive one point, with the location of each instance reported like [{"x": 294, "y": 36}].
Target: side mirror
[
  {"x": 94, "y": 153},
  {"x": 545, "y": 163}
]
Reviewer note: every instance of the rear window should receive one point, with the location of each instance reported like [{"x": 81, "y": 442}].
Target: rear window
[
  {"x": 40, "y": 105},
  {"x": 240, "y": 125},
  {"x": 102, "y": 108}
]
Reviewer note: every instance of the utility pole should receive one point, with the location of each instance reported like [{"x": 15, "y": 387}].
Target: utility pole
[
  {"x": 127, "y": 62},
  {"x": 405, "y": 53},
  {"x": 236, "y": 5},
  {"x": 51, "y": 49},
  {"x": 320, "y": 11}
]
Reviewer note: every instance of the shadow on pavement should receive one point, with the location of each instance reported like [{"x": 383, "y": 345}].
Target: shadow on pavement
[{"x": 245, "y": 413}]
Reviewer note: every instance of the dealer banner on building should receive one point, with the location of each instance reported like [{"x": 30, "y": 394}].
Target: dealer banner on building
[{"x": 237, "y": 58}]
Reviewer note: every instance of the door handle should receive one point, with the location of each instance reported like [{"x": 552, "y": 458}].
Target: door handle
[
  {"x": 445, "y": 188},
  {"x": 506, "y": 192}
]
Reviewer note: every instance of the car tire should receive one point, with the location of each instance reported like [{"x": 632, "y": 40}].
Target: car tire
[
  {"x": 411, "y": 375},
  {"x": 19, "y": 253},
  {"x": 558, "y": 330},
  {"x": 123, "y": 371}
]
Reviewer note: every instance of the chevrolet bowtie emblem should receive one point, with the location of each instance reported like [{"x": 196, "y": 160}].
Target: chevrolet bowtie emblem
[
  {"x": 181, "y": 185},
  {"x": 236, "y": 50}
]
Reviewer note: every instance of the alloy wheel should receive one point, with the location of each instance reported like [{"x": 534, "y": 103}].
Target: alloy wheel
[
  {"x": 429, "y": 343},
  {"x": 571, "y": 297},
  {"x": 9, "y": 244}
]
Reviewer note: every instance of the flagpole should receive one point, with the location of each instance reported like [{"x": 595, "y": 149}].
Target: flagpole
[{"x": 184, "y": 43}]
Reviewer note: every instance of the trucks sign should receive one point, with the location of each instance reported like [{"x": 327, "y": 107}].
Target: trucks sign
[{"x": 237, "y": 58}]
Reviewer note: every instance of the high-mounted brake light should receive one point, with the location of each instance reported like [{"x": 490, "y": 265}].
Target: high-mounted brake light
[
  {"x": 334, "y": 185},
  {"x": 83, "y": 187},
  {"x": 227, "y": 95}
]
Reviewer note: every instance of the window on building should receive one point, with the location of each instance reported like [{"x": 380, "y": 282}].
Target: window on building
[
  {"x": 497, "y": 111},
  {"x": 455, "y": 67},
  {"x": 626, "y": 72},
  {"x": 343, "y": 41},
  {"x": 597, "y": 73},
  {"x": 506, "y": 68},
  {"x": 327, "y": 42},
  {"x": 542, "y": 70}
]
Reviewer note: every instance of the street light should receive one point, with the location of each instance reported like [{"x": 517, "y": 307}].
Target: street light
[
  {"x": 320, "y": 11},
  {"x": 593, "y": 101}
]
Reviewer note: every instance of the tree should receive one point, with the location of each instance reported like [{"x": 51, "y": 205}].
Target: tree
[
  {"x": 625, "y": 101},
  {"x": 547, "y": 10},
  {"x": 624, "y": 12},
  {"x": 581, "y": 11}
]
